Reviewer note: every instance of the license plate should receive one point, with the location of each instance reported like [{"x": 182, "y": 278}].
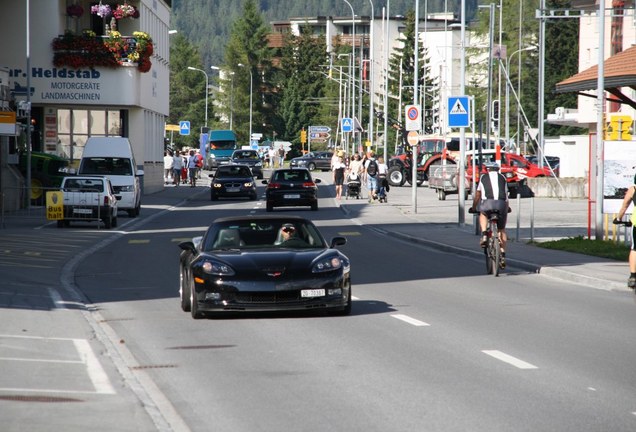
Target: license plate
[
  {"x": 233, "y": 189},
  {"x": 312, "y": 293},
  {"x": 83, "y": 211},
  {"x": 292, "y": 196}
]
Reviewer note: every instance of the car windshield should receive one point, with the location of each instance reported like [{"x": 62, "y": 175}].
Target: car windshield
[
  {"x": 292, "y": 176},
  {"x": 245, "y": 155},
  {"x": 263, "y": 234},
  {"x": 107, "y": 166},
  {"x": 232, "y": 171}
]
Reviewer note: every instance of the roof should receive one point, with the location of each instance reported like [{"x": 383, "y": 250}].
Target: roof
[{"x": 619, "y": 71}]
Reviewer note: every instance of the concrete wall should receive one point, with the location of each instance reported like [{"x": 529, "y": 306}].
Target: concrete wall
[{"x": 569, "y": 187}]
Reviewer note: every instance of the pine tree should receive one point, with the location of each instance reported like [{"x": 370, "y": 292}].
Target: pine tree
[
  {"x": 302, "y": 82},
  {"x": 187, "y": 90},
  {"x": 248, "y": 46}
]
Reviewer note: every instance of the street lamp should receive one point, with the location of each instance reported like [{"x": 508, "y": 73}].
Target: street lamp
[
  {"x": 508, "y": 86},
  {"x": 207, "y": 83},
  {"x": 251, "y": 93}
]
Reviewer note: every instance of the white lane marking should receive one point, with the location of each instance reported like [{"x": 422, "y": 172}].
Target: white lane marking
[
  {"x": 354, "y": 298},
  {"x": 19, "y": 359},
  {"x": 509, "y": 359},
  {"x": 93, "y": 367},
  {"x": 410, "y": 320}
]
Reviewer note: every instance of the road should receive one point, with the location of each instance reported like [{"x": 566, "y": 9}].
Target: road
[{"x": 432, "y": 344}]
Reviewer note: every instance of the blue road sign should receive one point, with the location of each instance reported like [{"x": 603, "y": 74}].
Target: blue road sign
[
  {"x": 184, "y": 127},
  {"x": 458, "y": 111},
  {"x": 347, "y": 124}
]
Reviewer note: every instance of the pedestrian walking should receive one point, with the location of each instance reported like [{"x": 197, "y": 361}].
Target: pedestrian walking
[
  {"x": 177, "y": 167},
  {"x": 192, "y": 168},
  {"x": 338, "y": 169},
  {"x": 168, "y": 163}
]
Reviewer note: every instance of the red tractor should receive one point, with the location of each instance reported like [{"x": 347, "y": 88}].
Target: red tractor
[{"x": 400, "y": 165}]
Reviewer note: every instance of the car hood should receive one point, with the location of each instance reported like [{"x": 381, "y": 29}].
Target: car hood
[
  {"x": 233, "y": 179},
  {"x": 286, "y": 260}
]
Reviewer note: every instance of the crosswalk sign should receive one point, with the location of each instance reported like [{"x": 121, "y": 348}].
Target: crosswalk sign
[
  {"x": 184, "y": 127},
  {"x": 347, "y": 124},
  {"x": 458, "y": 111}
]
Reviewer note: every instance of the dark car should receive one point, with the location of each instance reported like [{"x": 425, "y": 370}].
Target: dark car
[
  {"x": 232, "y": 181},
  {"x": 291, "y": 187},
  {"x": 552, "y": 161},
  {"x": 313, "y": 160},
  {"x": 243, "y": 264},
  {"x": 249, "y": 158}
]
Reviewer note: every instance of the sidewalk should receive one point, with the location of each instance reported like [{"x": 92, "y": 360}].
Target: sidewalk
[{"x": 435, "y": 225}]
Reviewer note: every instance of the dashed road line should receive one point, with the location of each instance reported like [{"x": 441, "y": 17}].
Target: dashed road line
[
  {"x": 506, "y": 358},
  {"x": 409, "y": 320}
]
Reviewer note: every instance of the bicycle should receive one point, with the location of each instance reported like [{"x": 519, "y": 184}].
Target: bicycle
[{"x": 492, "y": 249}]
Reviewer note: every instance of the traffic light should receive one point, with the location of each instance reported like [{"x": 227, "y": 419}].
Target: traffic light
[
  {"x": 303, "y": 136},
  {"x": 494, "y": 115}
]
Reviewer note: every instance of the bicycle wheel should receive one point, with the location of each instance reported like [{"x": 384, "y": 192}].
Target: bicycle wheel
[
  {"x": 496, "y": 249},
  {"x": 487, "y": 254}
]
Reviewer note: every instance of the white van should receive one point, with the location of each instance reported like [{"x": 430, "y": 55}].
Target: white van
[{"x": 113, "y": 157}]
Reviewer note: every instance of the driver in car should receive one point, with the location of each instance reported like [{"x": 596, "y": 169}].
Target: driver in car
[{"x": 288, "y": 234}]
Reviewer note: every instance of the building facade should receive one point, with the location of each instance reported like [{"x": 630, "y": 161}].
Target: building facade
[{"x": 88, "y": 69}]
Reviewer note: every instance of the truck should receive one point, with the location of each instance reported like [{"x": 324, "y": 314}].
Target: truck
[
  {"x": 220, "y": 146},
  {"x": 88, "y": 199}
]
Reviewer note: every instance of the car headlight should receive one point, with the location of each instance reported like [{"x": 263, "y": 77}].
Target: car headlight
[
  {"x": 509, "y": 175},
  {"x": 217, "y": 268},
  {"x": 301, "y": 162},
  {"x": 212, "y": 156},
  {"x": 258, "y": 164},
  {"x": 327, "y": 264},
  {"x": 129, "y": 188},
  {"x": 217, "y": 185},
  {"x": 248, "y": 184}
]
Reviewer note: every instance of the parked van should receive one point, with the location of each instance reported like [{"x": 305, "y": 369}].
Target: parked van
[{"x": 113, "y": 157}]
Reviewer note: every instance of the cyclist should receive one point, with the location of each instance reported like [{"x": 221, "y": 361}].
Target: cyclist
[
  {"x": 630, "y": 196},
  {"x": 492, "y": 194}
]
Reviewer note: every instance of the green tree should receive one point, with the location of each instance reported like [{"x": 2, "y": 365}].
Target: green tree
[
  {"x": 519, "y": 31},
  {"x": 187, "y": 90},
  {"x": 248, "y": 46},
  {"x": 302, "y": 82}
]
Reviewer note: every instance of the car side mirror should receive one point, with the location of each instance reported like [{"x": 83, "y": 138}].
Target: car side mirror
[
  {"x": 264, "y": 181},
  {"x": 317, "y": 180},
  {"x": 338, "y": 241}
]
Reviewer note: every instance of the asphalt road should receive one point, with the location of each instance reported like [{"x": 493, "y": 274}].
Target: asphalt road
[{"x": 433, "y": 344}]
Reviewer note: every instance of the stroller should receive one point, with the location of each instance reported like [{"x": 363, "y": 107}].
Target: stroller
[
  {"x": 383, "y": 189},
  {"x": 354, "y": 186}
]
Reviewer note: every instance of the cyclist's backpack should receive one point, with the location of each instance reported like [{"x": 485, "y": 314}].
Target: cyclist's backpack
[{"x": 372, "y": 169}]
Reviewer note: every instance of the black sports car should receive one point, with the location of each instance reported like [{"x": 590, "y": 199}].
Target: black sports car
[
  {"x": 231, "y": 181},
  {"x": 291, "y": 187},
  {"x": 260, "y": 263}
]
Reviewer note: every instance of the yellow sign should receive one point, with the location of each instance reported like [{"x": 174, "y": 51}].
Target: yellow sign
[
  {"x": 55, "y": 205},
  {"x": 619, "y": 127},
  {"x": 172, "y": 128},
  {"x": 303, "y": 136}
]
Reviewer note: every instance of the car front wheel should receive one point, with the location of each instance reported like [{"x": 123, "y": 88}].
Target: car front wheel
[
  {"x": 194, "y": 305},
  {"x": 184, "y": 291},
  {"x": 311, "y": 166}
]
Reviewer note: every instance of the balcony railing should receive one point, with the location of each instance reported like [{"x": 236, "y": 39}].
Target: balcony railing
[{"x": 114, "y": 50}]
